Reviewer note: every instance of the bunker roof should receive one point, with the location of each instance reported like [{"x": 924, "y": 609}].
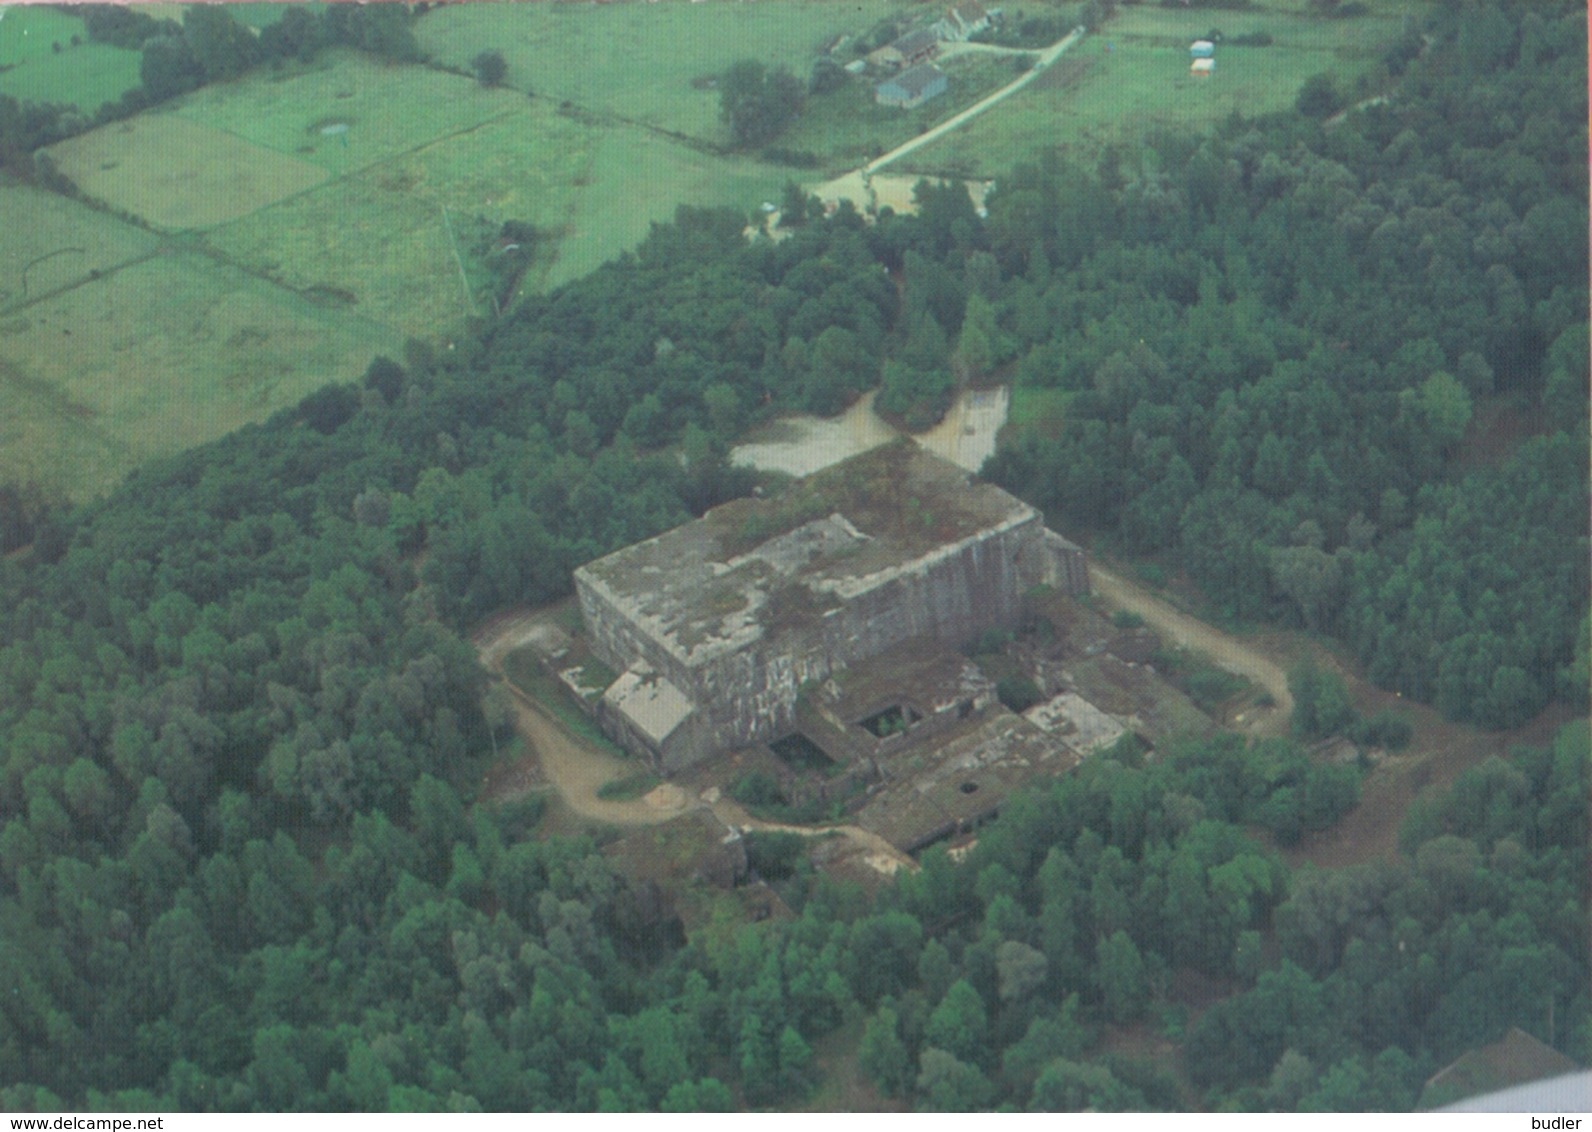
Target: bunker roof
[{"x": 756, "y": 567}]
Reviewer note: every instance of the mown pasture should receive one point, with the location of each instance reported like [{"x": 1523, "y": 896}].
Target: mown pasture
[
  {"x": 176, "y": 173},
  {"x": 387, "y": 110},
  {"x": 167, "y": 352},
  {"x": 32, "y": 69},
  {"x": 1132, "y": 79}
]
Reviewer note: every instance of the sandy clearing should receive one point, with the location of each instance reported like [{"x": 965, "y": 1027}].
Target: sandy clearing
[
  {"x": 800, "y": 445},
  {"x": 966, "y": 436}
]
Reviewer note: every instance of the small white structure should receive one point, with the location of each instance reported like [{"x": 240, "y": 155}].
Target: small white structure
[
  {"x": 1202, "y": 67},
  {"x": 1202, "y": 49}
]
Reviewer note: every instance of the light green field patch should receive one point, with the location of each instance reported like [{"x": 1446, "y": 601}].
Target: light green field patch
[
  {"x": 1132, "y": 79},
  {"x": 1037, "y": 407},
  {"x": 84, "y": 76},
  {"x": 48, "y": 242},
  {"x": 48, "y": 440},
  {"x": 592, "y": 192},
  {"x": 346, "y": 112},
  {"x": 176, "y": 173},
  {"x": 169, "y": 352},
  {"x": 639, "y": 60},
  {"x": 637, "y": 178},
  {"x": 379, "y": 239}
]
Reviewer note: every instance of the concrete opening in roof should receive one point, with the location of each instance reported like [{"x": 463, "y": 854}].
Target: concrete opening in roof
[
  {"x": 891, "y": 721},
  {"x": 801, "y": 754}
]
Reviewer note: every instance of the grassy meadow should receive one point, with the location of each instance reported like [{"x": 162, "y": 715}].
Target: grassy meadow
[
  {"x": 167, "y": 352},
  {"x": 50, "y": 243},
  {"x": 176, "y": 174},
  {"x": 31, "y": 69},
  {"x": 1132, "y": 79},
  {"x": 387, "y": 110},
  {"x": 638, "y": 61}
]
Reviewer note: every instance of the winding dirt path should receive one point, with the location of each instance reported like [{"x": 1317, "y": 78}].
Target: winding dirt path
[
  {"x": 1226, "y": 650},
  {"x": 578, "y": 770}
]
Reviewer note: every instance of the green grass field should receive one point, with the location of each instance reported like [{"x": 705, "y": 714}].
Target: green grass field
[
  {"x": 388, "y": 110},
  {"x": 527, "y": 165},
  {"x": 49, "y": 243},
  {"x": 1142, "y": 83},
  {"x": 639, "y": 60},
  {"x": 84, "y": 76},
  {"x": 637, "y": 178},
  {"x": 176, "y": 173},
  {"x": 166, "y": 353}
]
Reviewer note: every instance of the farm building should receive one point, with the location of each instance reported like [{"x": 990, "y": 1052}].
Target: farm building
[
  {"x": 911, "y": 87},
  {"x": 1200, "y": 68},
  {"x": 915, "y": 47},
  {"x": 718, "y": 625},
  {"x": 1202, "y": 49},
  {"x": 962, "y": 21}
]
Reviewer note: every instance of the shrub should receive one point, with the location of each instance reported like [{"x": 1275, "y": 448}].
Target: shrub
[{"x": 1018, "y": 693}]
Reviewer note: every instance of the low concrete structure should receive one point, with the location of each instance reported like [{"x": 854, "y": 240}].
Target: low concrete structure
[
  {"x": 1076, "y": 722},
  {"x": 946, "y": 786},
  {"x": 717, "y": 626}
]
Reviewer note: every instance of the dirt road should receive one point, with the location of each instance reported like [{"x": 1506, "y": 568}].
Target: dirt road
[
  {"x": 1225, "y": 649},
  {"x": 578, "y": 770},
  {"x": 1041, "y": 64}
]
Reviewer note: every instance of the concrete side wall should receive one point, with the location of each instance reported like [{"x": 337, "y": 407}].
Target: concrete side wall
[
  {"x": 619, "y": 643},
  {"x": 1067, "y": 570},
  {"x": 751, "y": 695}
]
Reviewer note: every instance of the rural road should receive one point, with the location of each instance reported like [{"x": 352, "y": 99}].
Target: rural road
[
  {"x": 1224, "y": 649},
  {"x": 1046, "y": 57},
  {"x": 578, "y": 770}
]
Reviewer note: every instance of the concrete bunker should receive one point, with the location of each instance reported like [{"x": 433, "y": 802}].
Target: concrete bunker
[{"x": 717, "y": 627}]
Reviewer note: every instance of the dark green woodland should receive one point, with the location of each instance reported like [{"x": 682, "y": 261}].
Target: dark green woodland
[{"x": 241, "y": 861}]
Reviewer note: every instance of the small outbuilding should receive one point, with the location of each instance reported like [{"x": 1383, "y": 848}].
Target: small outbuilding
[
  {"x": 912, "y": 48},
  {"x": 1202, "y": 49},
  {"x": 1202, "y": 68},
  {"x": 911, "y": 87}
]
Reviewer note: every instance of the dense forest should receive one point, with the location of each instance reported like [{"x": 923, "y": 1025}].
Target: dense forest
[{"x": 240, "y": 728}]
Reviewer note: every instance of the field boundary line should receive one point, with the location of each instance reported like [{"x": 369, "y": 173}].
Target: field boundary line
[
  {"x": 100, "y": 275},
  {"x": 62, "y": 407}
]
